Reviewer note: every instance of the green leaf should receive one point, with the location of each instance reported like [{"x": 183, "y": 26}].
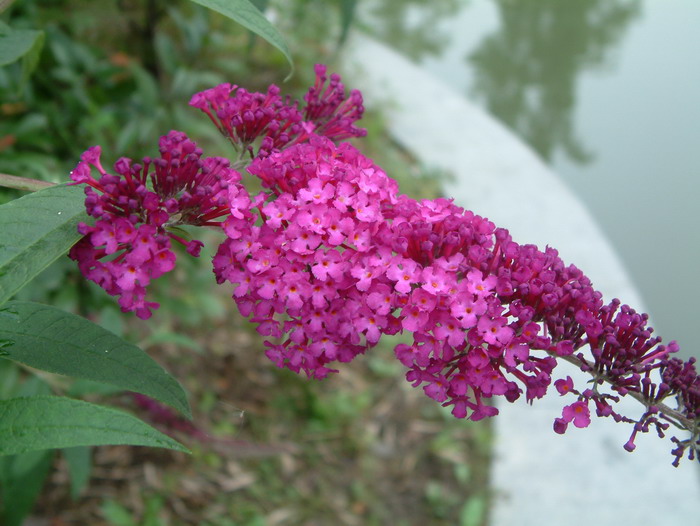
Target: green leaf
[
  {"x": 160, "y": 337},
  {"x": 81, "y": 387},
  {"x": 21, "y": 479},
  {"x": 473, "y": 511},
  {"x": 9, "y": 376},
  {"x": 33, "y": 386},
  {"x": 36, "y": 230},
  {"x": 117, "y": 514},
  {"x": 48, "y": 422},
  {"x": 79, "y": 465},
  {"x": 15, "y": 43},
  {"x": 30, "y": 60},
  {"x": 246, "y": 14},
  {"x": 261, "y": 5},
  {"x": 56, "y": 341},
  {"x": 347, "y": 13},
  {"x": 151, "y": 515}
]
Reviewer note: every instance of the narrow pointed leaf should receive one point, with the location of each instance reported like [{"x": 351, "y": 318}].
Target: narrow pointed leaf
[
  {"x": 56, "y": 341},
  {"x": 347, "y": 14},
  {"x": 79, "y": 460},
  {"x": 36, "y": 230},
  {"x": 30, "y": 60},
  {"x": 48, "y": 422},
  {"x": 246, "y": 14}
]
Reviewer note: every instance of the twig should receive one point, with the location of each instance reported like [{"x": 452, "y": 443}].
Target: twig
[
  {"x": 682, "y": 422},
  {"x": 23, "y": 183}
]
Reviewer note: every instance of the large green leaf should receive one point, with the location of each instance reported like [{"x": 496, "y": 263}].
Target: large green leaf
[
  {"x": 53, "y": 340},
  {"x": 21, "y": 479},
  {"x": 36, "y": 229},
  {"x": 48, "y": 422},
  {"x": 246, "y": 14}
]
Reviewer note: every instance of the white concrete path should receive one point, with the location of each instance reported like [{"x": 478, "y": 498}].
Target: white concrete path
[{"x": 539, "y": 478}]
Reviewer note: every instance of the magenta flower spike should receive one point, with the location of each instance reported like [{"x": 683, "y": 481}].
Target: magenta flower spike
[{"x": 328, "y": 258}]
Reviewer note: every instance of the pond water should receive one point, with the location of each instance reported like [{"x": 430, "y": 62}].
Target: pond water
[{"x": 608, "y": 93}]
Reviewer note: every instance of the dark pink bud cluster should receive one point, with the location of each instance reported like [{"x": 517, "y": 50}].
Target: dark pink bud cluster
[
  {"x": 262, "y": 123},
  {"x": 243, "y": 117},
  {"x": 305, "y": 275},
  {"x": 130, "y": 243},
  {"x": 682, "y": 381},
  {"x": 330, "y": 111}
]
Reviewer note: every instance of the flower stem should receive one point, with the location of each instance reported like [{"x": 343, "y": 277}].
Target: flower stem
[{"x": 23, "y": 183}]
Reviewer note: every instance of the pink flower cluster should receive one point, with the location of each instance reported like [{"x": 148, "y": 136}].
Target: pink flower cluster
[
  {"x": 268, "y": 122},
  {"x": 305, "y": 275},
  {"x": 130, "y": 243},
  {"x": 474, "y": 301},
  {"x": 464, "y": 341}
]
